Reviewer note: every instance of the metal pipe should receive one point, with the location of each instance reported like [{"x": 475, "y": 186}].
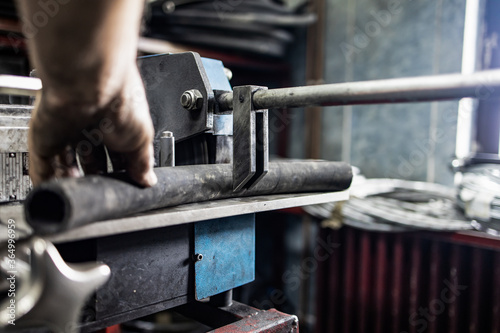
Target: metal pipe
[
  {"x": 467, "y": 107},
  {"x": 60, "y": 205},
  {"x": 402, "y": 90}
]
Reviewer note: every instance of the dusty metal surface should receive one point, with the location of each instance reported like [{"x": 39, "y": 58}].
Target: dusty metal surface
[
  {"x": 14, "y": 139},
  {"x": 14, "y": 121},
  {"x": 147, "y": 268},
  {"x": 171, "y": 216},
  {"x": 402, "y": 90},
  {"x": 239, "y": 317},
  {"x": 270, "y": 321},
  {"x": 250, "y": 139},
  {"x": 225, "y": 254},
  {"x": 67, "y": 203},
  {"x": 174, "y": 215},
  {"x": 166, "y": 78},
  {"x": 15, "y": 110}
]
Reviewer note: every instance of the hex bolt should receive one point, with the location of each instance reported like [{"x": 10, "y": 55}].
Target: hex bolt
[
  {"x": 198, "y": 257},
  {"x": 192, "y": 100}
]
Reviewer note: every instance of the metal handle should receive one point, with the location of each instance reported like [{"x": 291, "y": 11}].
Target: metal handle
[
  {"x": 48, "y": 292},
  {"x": 402, "y": 90}
]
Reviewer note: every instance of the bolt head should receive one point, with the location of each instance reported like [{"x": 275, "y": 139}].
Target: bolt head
[
  {"x": 167, "y": 134},
  {"x": 168, "y": 7},
  {"x": 186, "y": 99},
  {"x": 192, "y": 100}
]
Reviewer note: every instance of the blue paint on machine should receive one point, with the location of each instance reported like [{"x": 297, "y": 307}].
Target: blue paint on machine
[
  {"x": 228, "y": 249},
  {"x": 216, "y": 76}
]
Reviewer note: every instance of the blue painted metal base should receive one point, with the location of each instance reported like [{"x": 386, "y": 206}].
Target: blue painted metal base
[{"x": 227, "y": 249}]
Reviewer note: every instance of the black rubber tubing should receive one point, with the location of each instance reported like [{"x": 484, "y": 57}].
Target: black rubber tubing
[{"x": 63, "y": 204}]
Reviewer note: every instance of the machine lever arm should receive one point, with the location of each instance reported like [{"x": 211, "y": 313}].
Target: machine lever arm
[{"x": 401, "y": 90}]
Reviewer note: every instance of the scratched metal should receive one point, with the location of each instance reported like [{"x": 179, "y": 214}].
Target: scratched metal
[
  {"x": 14, "y": 139},
  {"x": 15, "y": 110},
  {"x": 228, "y": 249},
  {"x": 14, "y": 121}
]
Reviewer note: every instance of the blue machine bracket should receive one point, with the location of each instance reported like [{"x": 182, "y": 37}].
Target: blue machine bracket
[
  {"x": 227, "y": 246},
  {"x": 215, "y": 72}
]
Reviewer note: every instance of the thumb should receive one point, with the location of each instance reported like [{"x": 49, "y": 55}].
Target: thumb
[{"x": 140, "y": 164}]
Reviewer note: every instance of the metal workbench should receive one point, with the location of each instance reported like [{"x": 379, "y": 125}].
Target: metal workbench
[{"x": 155, "y": 263}]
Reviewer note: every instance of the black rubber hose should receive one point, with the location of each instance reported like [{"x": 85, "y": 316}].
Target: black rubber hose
[{"x": 64, "y": 204}]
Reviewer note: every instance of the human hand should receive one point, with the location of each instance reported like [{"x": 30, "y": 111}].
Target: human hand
[{"x": 63, "y": 125}]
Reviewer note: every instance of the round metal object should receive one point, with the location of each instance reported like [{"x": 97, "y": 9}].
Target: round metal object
[
  {"x": 192, "y": 100},
  {"x": 167, "y": 134},
  {"x": 168, "y": 7}
]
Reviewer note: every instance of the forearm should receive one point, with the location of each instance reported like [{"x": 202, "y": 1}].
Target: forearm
[{"x": 85, "y": 50}]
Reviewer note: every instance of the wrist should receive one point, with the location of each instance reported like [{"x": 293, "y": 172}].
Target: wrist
[{"x": 87, "y": 94}]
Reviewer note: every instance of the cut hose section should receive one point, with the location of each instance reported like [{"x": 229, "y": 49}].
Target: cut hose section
[{"x": 67, "y": 203}]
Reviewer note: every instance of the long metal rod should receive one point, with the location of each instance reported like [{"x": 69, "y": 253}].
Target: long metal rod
[
  {"x": 403, "y": 90},
  {"x": 60, "y": 205},
  {"x": 467, "y": 107}
]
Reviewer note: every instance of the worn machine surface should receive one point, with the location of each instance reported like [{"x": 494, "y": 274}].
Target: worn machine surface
[{"x": 187, "y": 242}]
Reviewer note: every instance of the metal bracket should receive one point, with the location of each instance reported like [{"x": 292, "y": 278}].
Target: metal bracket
[
  {"x": 159, "y": 72},
  {"x": 250, "y": 139},
  {"x": 217, "y": 269}
]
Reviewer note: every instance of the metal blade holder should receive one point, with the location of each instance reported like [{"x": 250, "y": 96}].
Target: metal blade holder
[{"x": 250, "y": 139}]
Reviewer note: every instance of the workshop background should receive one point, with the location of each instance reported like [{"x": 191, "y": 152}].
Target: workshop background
[
  {"x": 343, "y": 278},
  {"x": 369, "y": 40}
]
